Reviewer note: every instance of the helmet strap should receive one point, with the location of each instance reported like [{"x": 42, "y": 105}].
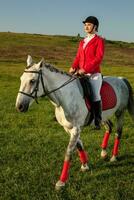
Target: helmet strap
[{"x": 92, "y": 28}]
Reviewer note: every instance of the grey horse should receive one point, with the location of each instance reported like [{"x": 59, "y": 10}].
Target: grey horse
[{"x": 66, "y": 94}]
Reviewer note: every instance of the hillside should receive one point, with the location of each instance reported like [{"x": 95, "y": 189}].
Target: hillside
[
  {"x": 58, "y": 50},
  {"x": 32, "y": 144}
]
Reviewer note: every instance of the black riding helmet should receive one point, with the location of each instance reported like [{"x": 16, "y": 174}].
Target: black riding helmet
[{"x": 93, "y": 20}]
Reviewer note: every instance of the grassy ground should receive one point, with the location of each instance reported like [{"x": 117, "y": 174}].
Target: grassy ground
[{"x": 32, "y": 145}]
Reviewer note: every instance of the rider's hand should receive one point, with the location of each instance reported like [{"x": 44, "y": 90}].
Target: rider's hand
[
  {"x": 71, "y": 70},
  {"x": 81, "y": 72}
]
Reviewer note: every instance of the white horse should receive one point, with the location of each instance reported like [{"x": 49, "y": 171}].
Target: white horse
[{"x": 66, "y": 94}]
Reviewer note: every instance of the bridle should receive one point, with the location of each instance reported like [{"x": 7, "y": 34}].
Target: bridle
[
  {"x": 36, "y": 88},
  {"x": 33, "y": 94}
]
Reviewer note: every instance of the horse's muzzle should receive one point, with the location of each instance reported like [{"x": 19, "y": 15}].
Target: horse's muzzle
[{"x": 21, "y": 107}]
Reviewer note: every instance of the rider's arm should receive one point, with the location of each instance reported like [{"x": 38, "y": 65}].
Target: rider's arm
[{"x": 93, "y": 64}]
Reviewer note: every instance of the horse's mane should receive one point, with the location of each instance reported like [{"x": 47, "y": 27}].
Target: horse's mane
[{"x": 54, "y": 69}]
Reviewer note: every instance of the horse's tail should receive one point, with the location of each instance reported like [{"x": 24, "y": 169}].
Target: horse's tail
[{"x": 130, "y": 105}]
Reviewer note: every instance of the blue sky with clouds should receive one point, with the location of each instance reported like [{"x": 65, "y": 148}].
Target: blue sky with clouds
[{"x": 64, "y": 17}]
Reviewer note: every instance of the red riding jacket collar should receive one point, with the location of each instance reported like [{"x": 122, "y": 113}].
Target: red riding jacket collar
[{"x": 91, "y": 56}]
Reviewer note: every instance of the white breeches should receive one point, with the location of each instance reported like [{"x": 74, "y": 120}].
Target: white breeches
[{"x": 96, "y": 83}]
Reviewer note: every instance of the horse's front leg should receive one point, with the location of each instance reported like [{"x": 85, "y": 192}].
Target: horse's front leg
[
  {"x": 74, "y": 136},
  {"x": 83, "y": 156}
]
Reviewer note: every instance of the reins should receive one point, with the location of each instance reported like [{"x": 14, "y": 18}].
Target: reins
[{"x": 35, "y": 90}]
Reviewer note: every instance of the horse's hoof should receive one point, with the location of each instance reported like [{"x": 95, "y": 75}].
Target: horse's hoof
[
  {"x": 113, "y": 159},
  {"x": 84, "y": 167},
  {"x": 59, "y": 185},
  {"x": 103, "y": 154}
]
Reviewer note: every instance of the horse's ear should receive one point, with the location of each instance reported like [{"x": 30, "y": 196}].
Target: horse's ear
[
  {"x": 29, "y": 61},
  {"x": 41, "y": 63}
]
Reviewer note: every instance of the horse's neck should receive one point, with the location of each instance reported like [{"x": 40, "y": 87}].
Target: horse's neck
[{"x": 53, "y": 80}]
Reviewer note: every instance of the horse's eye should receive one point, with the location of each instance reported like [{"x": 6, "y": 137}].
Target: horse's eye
[{"x": 32, "y": 81}]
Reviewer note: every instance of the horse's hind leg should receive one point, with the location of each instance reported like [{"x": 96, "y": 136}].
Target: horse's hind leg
[
  {"x": 120, "y": 117},
  {"x": 83, "y": 156},
  {"x": 108, "y": 126}
]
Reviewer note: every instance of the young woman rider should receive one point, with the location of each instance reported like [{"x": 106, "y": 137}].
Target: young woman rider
[{"x": 87, "y": 61}]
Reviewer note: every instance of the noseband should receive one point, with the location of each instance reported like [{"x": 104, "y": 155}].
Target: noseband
[{"x": 36, "y": 88}]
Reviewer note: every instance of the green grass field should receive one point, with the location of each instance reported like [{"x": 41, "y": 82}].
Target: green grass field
[{"x": 32, "y": 145}]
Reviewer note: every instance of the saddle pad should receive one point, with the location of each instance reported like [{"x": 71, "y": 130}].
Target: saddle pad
[{"x": 108, "y": 96}]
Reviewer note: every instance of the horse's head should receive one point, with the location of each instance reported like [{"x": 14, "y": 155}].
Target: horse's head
[{"x": 30, "y": 85}]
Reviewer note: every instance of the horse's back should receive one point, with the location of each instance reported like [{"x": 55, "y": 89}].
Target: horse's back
[
  {"x": 117, "y": 83},
  {"x": 119, "y": 88}
]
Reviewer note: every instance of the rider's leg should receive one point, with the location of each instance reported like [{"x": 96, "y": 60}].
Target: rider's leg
[
  {"x": 97, "y": 114},
  {"x": 96, "y": 83}
]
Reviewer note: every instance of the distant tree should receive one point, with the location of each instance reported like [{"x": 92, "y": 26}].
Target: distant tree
[{"x": 78, "y": 36}]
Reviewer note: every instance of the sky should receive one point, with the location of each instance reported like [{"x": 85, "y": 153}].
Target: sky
[{"x": 64, "y": 17}]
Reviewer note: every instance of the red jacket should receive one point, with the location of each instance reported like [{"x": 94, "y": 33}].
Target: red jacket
[{"x": 91, "y": 56}]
